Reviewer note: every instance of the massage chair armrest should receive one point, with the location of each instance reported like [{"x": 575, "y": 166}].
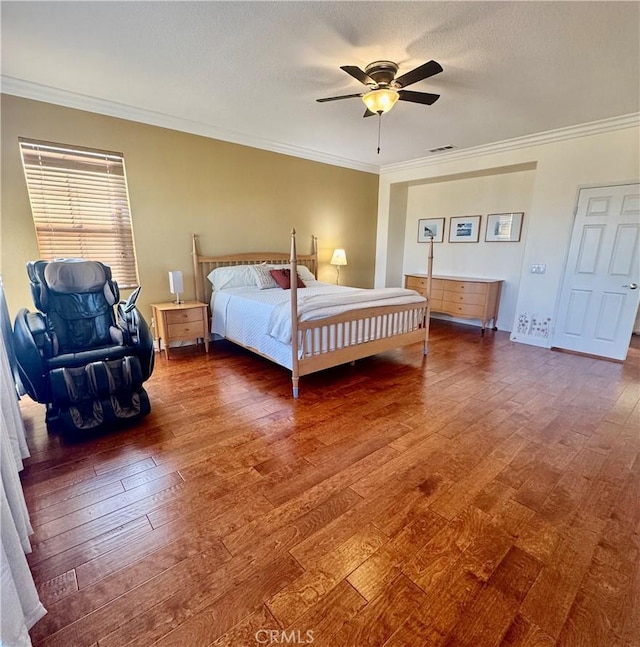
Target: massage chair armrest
[
  {"x": 144, "y": 337},
  {"x": 32, "y": 343},
  {"x": 136, "y": 331},
  {"x": 125, "y": 310},
  {"x": 126, "y": 318}
]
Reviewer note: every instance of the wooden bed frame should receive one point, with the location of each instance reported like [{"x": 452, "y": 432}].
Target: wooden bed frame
[{"x": 392, "y": 326}]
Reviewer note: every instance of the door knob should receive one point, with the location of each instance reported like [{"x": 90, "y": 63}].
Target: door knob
[{"x": 631, "y": 286}]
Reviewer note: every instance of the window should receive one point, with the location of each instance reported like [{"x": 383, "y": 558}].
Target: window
[{"x": 80, "y": 206}]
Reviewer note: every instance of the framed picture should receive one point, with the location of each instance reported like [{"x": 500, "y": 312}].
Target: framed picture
[
  {"x": 503, "y": 227},
  {"x": 464, "y": 229},
  {"x": 431, "y": 227}
]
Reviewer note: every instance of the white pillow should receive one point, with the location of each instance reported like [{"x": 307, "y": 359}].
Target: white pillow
[
  {"x": 263, "y": 278},
  {"x": 234, "y": 276},
  {"x": 305, "y": 273}
]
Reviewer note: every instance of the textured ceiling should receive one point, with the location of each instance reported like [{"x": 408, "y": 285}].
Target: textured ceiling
[{"x": 251, "y": 71}]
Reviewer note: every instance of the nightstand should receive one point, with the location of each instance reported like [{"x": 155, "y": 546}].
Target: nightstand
[{"x": 180, "y": 322}]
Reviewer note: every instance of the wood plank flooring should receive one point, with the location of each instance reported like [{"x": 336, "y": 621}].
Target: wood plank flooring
[{"x": 486, "y": 495}]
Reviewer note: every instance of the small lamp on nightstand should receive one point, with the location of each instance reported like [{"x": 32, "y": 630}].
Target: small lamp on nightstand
[
  {"x": 339, "y": 258},
  {"x": 176, "y": 284}
]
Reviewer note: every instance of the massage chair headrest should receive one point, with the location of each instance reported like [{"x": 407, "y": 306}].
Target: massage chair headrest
[{"x": 70, "y": 276}]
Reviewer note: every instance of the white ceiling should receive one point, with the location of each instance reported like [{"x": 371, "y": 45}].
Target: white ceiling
[{"x": 250, "y": 71}]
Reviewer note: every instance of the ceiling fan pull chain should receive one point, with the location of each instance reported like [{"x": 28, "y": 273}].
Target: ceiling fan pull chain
[{"x": 379, "y": 122}]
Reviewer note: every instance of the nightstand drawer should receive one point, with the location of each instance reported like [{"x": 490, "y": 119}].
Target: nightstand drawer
[
  {"x": 184, "y": 316},
  {"x": 188, "y": 329}
]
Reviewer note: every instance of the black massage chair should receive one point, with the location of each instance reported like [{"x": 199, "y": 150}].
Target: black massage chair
[{"x": 74, "y": 355}]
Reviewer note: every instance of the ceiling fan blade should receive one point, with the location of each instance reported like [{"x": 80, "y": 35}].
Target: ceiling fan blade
[
  {"x": 422, "y": 72},
  {"x": 425, "y": 98},
  {"x": 358, "y": 74},
  {"x": 344, "y": 96},
  {"x": 368, "y": 113}
]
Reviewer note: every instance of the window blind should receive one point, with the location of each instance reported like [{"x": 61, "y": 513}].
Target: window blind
[{"x": 80, "y": 206}]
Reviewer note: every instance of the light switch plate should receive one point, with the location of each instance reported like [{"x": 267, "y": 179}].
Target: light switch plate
[{"x": 538, "y": 268}]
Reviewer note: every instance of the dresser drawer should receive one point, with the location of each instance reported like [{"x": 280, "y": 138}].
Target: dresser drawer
[
  {"x": 188, "y": 329},
  {"x": 463, "y": 309},
  {"x": 184, "y": 316},
  {"x": 471, "y": 298},
  {"x": 421, "y": 285},
  {"x": 466, "y": 287},
  {"x": 417, "y": 284}
]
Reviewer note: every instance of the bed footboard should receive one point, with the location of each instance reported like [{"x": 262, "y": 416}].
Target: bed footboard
[
  {"x": 360, "y": 333},
  {"x": 331, "y": 341}
]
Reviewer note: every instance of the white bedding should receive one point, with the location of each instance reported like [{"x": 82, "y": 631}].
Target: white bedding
[{"x": 260, "y": 319}]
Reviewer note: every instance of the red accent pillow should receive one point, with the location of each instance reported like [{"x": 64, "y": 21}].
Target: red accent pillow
[{"x": 283, "y": 279}]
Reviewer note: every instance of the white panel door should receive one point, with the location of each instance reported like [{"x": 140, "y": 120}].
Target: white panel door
[{"x": 600, "y": 293}]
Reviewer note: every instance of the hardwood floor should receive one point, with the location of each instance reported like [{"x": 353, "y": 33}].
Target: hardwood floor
[{"x": 486, "y": 495}]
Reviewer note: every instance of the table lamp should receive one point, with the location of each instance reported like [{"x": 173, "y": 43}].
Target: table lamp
[
  {"x": 176, "y": 284},
  {"x": 339, "y": 258}
]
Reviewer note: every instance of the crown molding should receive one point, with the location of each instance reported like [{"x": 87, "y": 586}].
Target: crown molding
[
  {"x": 38, "y": 92},
  {"x": 571, "y": 132},
  {"x": 47, "y": 94}
]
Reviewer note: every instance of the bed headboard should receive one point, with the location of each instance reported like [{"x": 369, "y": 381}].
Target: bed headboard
[{"x": 203, "y": 265}]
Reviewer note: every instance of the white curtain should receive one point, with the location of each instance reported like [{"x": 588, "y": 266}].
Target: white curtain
[{"x": 20, "y": 606}]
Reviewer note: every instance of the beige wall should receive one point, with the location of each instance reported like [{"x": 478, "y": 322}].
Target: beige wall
[{"x": 235, "y": 197}]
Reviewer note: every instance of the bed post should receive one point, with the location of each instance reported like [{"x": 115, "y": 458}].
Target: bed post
[
  {"x": 293, "y": 276},
  {"x": 429, "y": 277},
  {"x": 314, "y": 251},
  {"x": 196, "y": 267}
]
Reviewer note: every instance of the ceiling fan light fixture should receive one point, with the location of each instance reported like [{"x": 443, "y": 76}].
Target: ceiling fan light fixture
[{"x": 381, "y": 100}]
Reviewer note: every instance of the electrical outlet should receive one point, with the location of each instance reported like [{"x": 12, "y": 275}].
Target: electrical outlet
[{"x": 538, "y": 268}]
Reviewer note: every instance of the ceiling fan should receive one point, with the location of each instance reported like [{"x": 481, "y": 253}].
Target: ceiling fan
[{"x": 385, "y": 89}]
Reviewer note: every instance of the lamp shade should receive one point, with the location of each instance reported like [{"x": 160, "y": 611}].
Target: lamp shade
[
  {"x": 176, "y": 283},
  {"x": 380, "y": 100},
  {"x": 339, "y": 257}
]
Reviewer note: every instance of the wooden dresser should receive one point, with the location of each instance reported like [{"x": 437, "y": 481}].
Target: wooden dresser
[
  {"x": 180, "y": 322},
  {"x": 460, "y": 296}
]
